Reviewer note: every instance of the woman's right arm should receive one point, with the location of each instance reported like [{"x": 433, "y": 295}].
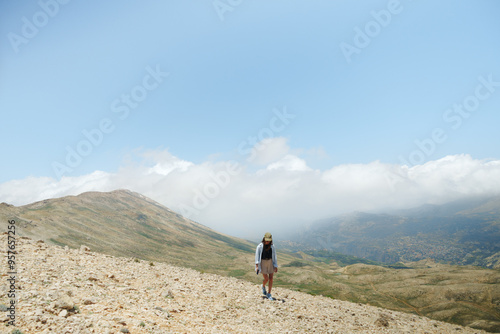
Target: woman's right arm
[{"x": 258, "y": 251}]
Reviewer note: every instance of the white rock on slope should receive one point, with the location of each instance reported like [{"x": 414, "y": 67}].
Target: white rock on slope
[{"x": 71, "y": 291}]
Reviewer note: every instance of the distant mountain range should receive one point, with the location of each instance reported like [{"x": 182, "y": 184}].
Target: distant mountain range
[{"x": 465, "y": 232}]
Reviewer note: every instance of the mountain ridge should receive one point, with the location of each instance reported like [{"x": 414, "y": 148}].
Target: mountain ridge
[{"x": 107, "y": 221}]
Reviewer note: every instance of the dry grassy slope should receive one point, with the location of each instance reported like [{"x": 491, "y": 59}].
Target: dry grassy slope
[
  {"x": 124, "y": 223},
  {"x": 465, "y": 295}
]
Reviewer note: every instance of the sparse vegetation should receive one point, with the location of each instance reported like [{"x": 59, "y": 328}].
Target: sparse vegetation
[
  {"x": 341, "y": 259},
  {"x": 238, "y": 273},
  {"x": 57, "y": 242},
  {"x": 296, "y": 264}
]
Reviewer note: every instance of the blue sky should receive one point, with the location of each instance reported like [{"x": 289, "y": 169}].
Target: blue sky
[{"x": 232, "y": 67}]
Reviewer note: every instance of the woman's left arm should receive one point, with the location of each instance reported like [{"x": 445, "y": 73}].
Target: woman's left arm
[{"x": 275, "y": 259}]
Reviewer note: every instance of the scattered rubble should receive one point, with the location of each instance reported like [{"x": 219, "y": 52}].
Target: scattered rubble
[{"x": 62, "y": 290}]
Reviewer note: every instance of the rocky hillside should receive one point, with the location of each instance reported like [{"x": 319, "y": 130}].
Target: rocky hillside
[{"x": 64, "y": 290}]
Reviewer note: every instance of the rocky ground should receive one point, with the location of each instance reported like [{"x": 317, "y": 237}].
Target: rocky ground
[{"x": 62, "y": 290}]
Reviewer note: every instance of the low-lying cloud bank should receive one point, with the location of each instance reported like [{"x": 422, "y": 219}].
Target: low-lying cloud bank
[{"x": 276, "y": 190}]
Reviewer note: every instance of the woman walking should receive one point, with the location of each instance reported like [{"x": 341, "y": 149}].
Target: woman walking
[{"x": 266, "y": 262}]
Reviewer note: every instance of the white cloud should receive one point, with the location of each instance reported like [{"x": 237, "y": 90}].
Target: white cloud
[
  {"x": 232, "y": 199},
  {"x": 269, "y": 150},
  {"x": 289, "y": 163},
  {"x": 165, "y": 168}
]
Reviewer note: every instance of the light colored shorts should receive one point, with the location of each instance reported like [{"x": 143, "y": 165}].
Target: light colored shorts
[{"x": 267, "y": 266}]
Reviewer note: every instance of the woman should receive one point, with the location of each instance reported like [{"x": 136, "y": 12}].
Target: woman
[{"x": 266, "y": 262}]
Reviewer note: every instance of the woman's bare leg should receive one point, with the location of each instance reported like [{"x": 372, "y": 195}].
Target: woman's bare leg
[
  {"x": 270, "y": 282},
  {"x": 266, "y": 279}
]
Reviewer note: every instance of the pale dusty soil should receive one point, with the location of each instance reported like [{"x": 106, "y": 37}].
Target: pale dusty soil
[{"x": 77, "y": 291}]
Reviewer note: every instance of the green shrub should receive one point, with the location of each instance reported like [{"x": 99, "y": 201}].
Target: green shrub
[{"x": 296, "y": 264}]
